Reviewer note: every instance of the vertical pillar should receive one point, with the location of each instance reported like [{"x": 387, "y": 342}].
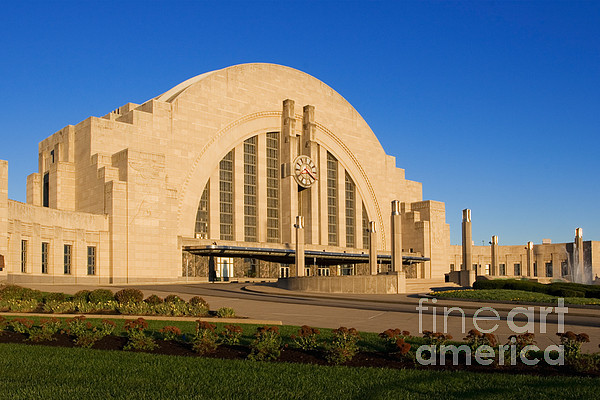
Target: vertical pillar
[
  {"x": 494, "y": 246},
  {"x": 578, "y": 269},
  {"x": 396, "y": 237},
  {"x": 310, "y": 196},
  {"x": 261, "y": 200},
  {"x": 529, "y": 259},
  {"x": 288, "y": 145},
  {"x": 467, "y": 241},
  {"x": 372, "y": 248},
  {"x": 299, "y": 226}
]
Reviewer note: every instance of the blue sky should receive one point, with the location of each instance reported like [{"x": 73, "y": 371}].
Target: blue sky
[{"x": 494, "y": 106}]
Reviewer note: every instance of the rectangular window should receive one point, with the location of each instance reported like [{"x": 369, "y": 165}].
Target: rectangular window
[
  {"x": 517, "y": 269},
  {"x": 273, "y": 187},
  {"x": 365, "y": 226},
  {"x": 564, "y": 267},
  {"x": 203, "y": 215},
  {"x": 46, "y": 190},
  {"x": 91, "y": 260},
  {"x": 549, "y": 270},
  {"x": 535, "y": 271},
  {"x": 350, "y": 211},
  {"x": 346, "y": 270},
  {"x": 502, "y": 269},
  {"x": 284, "y": 272},
  {"x": 452, "y": 267},
  {"x": 332, "y": 176},
  {"x": 226, "y": 196},
  {"x": 68, "y": 258},
  {"x": 23, "y": 256},
  {"x": 323, "y": 271},
  {"x": 250, "y": 189},
  {"x": 45, "y": 247}
]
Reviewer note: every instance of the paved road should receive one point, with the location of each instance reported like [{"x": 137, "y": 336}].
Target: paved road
[{"x": 372, "y": 313}]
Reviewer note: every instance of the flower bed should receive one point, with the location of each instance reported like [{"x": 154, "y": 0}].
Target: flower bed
[{"x": 341, "y": 346}]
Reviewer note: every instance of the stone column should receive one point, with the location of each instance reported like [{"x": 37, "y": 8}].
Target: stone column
[
  {"x": 529, "y": 259},
  {"x": 299, "y": 226},
  {"x": 578, "y": 270},
  {"x": 494, "y": 271},
  {"x": 467, "y": 241},
  {"x": 396, "y": 237},
  {"x": 372, "y": 248},
  {"x": 288, "y": 145}
]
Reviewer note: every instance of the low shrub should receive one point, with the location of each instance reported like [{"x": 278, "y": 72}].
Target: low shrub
[
  {"x": 170, "y": 333},
  {"x": 344, "y": 345},
  {"x": 231, "y": 335},
  {"x": 138, "y": 340},
  {"x": 153, "y": 300},
  {"x": 306, "y": 339},
  {"x": 572, "y": 344},
  {"x": 129, "y": 295},
  {"x": 225, "y": 312},
  {"x": 198, "y": 301},
  {"x": 55, "y": 296},
  {"x": 476, "y": 339},
  {"x": 21, "y": 325},
  {"x": 173, "y": 298},
  {"x": 205, "y": 339},
  {"x": 85, "y": 334},
  {"x": 14, "y": 292},
  {"x": 45, "y": 331},
  {"x": 436, "y": 338},
  {"x": 82, "y": 295},
  {"x": 135, "y": 308},
  {"x": 3, "y": 323},
  {"x": 19, "y": 305},
  {"x": 266, "y": 344},
  {"x": 90, "y": 308},
  {"x": 390, "y": 338},
  {"x": 520, "y": 341},
  {"x": 100, "y": 296},
  {"x": 59, "y": 306}
]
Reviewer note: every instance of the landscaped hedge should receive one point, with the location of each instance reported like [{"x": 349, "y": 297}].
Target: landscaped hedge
[
  {"x": 126, "y": 301},
  {"x": 560, "y": 289}
]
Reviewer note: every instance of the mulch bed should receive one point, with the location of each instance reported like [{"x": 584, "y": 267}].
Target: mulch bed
[{"x": 293, "y": 355}]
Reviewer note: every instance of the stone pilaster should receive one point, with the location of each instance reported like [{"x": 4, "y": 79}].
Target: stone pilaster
[
  {"x": 467, "y": 241},
  {"x": 494, "y": 249},
  {"x": 578, "y": 268},
  {"x": 529, "y": 259},
  {"x": 299, "y": 226},
  {"x": 396, "y": 237},
  {"x": 310, "y": 196},
  {"x": 372, "y": 248},
  {"x": 288, "y": 145}
]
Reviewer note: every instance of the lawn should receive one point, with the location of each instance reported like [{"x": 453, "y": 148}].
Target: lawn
[
  {"x": 40, "y": 372},
  {"x": 511, "y": 295}
]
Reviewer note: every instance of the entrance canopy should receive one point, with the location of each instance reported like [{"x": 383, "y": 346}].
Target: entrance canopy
[{"x": 287, "y": 256}]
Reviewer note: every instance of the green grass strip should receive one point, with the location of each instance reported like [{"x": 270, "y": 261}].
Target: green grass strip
[
  {"x": 39, "y": 372},
  {"x": 510, "y": 295}
]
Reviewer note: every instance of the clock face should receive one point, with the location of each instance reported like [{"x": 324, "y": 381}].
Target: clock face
[{"x": 305, "y": 171}]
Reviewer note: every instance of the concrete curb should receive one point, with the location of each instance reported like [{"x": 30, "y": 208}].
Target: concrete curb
[{"x": 148, "y": 317}]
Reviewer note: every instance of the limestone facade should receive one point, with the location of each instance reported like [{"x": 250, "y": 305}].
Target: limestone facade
[{"x": 129, "y": 187}]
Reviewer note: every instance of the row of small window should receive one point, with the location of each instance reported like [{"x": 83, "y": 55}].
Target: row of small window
[
  {"x": 517, "y": 269},
  {"x": 344, "y": 270},
  {"x": 68, "y": 258}
]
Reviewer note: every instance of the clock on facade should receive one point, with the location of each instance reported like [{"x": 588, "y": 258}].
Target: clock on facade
[{"x": 305, "y": 171}]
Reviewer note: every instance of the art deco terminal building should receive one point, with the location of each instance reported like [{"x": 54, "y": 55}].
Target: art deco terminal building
[{"x": 206, "y": 181}]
